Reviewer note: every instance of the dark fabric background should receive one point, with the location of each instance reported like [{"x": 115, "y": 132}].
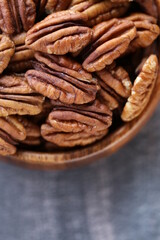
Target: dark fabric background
[{"x": 115, "y": 199}]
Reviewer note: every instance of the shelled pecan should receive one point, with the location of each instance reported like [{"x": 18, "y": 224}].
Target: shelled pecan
[
  {"x": 32, "y": 132},
  {"x": 16, "y": 97},
  {"x": 7, "y": 49},
  {"x": 98, "y": 11},
  {"x": 80, "y": 125},
  {"x": 149, "y": 7},
  {"x": 56, "y": 5},
  {"x": 17, "y": 15},
  {"x": 61, "y": 78},
  {"x": 110, "y": 40},
  {"x": 22, "y": 57},
  {"x": 11, "y": 132},
  {"x": 147, "y": 31},
  {"x": 115, "y": 86},
  {"x": 60, "y": 33},
  {"x": 142, "y": 90}
]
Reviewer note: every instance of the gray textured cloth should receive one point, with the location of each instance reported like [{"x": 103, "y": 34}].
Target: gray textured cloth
[{"x": 115, "y": 199}]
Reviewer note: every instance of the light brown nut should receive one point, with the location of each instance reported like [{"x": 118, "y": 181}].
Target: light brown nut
[
  {"x": 110, "y": 40},
  {"x": 16, "y": 97},
  {"x": 80, "y": 125},
  {"x": 6, "y": 51},
  {"x": 11, "y": 132},
  {"x": 33, "y": 134},
  {"x": 61, "y": 78},
  {"x": 17, "y": 15},
  {"x": 142, "y": 90},
  {"x": 59, "y": 33},
  {"x": 115, "y": 86},
  {"x": 21, "y": 60},
  {"x": 147, "y": 31},
  {"x": 56, "y": 5},
  {"x": 99, "y": 11}
]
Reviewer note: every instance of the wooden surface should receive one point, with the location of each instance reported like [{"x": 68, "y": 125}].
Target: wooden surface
[{"x": 103, "y": 148}]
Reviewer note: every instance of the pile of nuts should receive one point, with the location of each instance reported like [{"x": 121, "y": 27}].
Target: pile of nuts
[{"x": 69, "y": 70}]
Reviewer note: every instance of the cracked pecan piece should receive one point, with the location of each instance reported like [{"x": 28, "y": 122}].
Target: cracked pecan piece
[
  {"x": 17, "y": 15},
  {"x": 59, "y": 33},
  {"x": 6, "y": 51},
  {"x": 115, "y": 86},
  {"x": 110, "y": 40},
  {"x": 21, "y": 60},
  {"x": 99, "y": 11},
  {"x": 142, "y": 90},
  {"x": 147, "y": 31},
  {"x": 33, "y": 134},
  {"x": 56, "y": 5},
  {"x": 80, "y": 125},
  {"x": 16, "y": 97},
  {"x": 61, "y": 78},
  {"x": 11, "y": 132}
]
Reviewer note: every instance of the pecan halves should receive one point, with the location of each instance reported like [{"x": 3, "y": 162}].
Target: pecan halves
[
  {"x": 16, "y": 97},
  {"x": 56, "y": 5},
  {"x": 6, "y": 51},
  {"x": 61, "y": 78},
  {"x": 33, "y": 134},
  {"x": 147, "y": 31},
  {"x": 110, "y": 40},
  {"x": 80, "y": 125},
  {"x": 22, "y": 57},
  {"x": 17, "y": 15},
  {"x": 142, "y": 90},
  {"x": 59, "y": 33},
  {"x": 115, "y": 86},
  {"x": 11, "y": 132},
  {"x": 99, "y": 11}
]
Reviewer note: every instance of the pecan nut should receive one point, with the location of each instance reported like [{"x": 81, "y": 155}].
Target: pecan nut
[
  {"x": 16, "y": 16},
  {"x": 110, "y": 40},
  {"x": 16, "y": 97},
  {"x": 99, "y": 11},
  {"x": 147, "y": 31},
  {"x": 149, "y": 7},
  {"x": 142, "y": 90},
  {"x": 115, "y": 86},
  {"x": 59, "y": 33},
  {"x": 56, "y": 5},
  {"x": 33, "y": 135},
  {"x": 22, "y": 57},
  {"x": 11, "y": 132},
  {"x": 80, "y": 125},
  {"x": 6, "y": 51},
  {"x": 61, "y": 78}
]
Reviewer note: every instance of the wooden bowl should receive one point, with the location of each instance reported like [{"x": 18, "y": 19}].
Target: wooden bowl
[{"x": 103, "y": 148}]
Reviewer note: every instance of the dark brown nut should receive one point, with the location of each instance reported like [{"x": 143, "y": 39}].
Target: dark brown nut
[
  {"x": 17, "y": 15},
  {"x": 56, "y": 5},
  {"x": 61, "y": 78},
  {"x": 149, "y": 7},
  {"x": 80, "y": 125},
  {"x": 147, "y": 31},
  {"x": 6, "y": 51},
  {"x": 99, "y": 11},
  {"x": 142, "y": 90},
  {"x": 59, "y": 33},
  {"x": 16, "y": 97},
  {"x": 110, "y": 40},
  {"x": 115, "y": 86},
  {"x": 11, "y": 132},
  {"x": 46, "y": 109},
  {"x": 21, "y": 60},
  {"x": 33, "y": 135}
]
